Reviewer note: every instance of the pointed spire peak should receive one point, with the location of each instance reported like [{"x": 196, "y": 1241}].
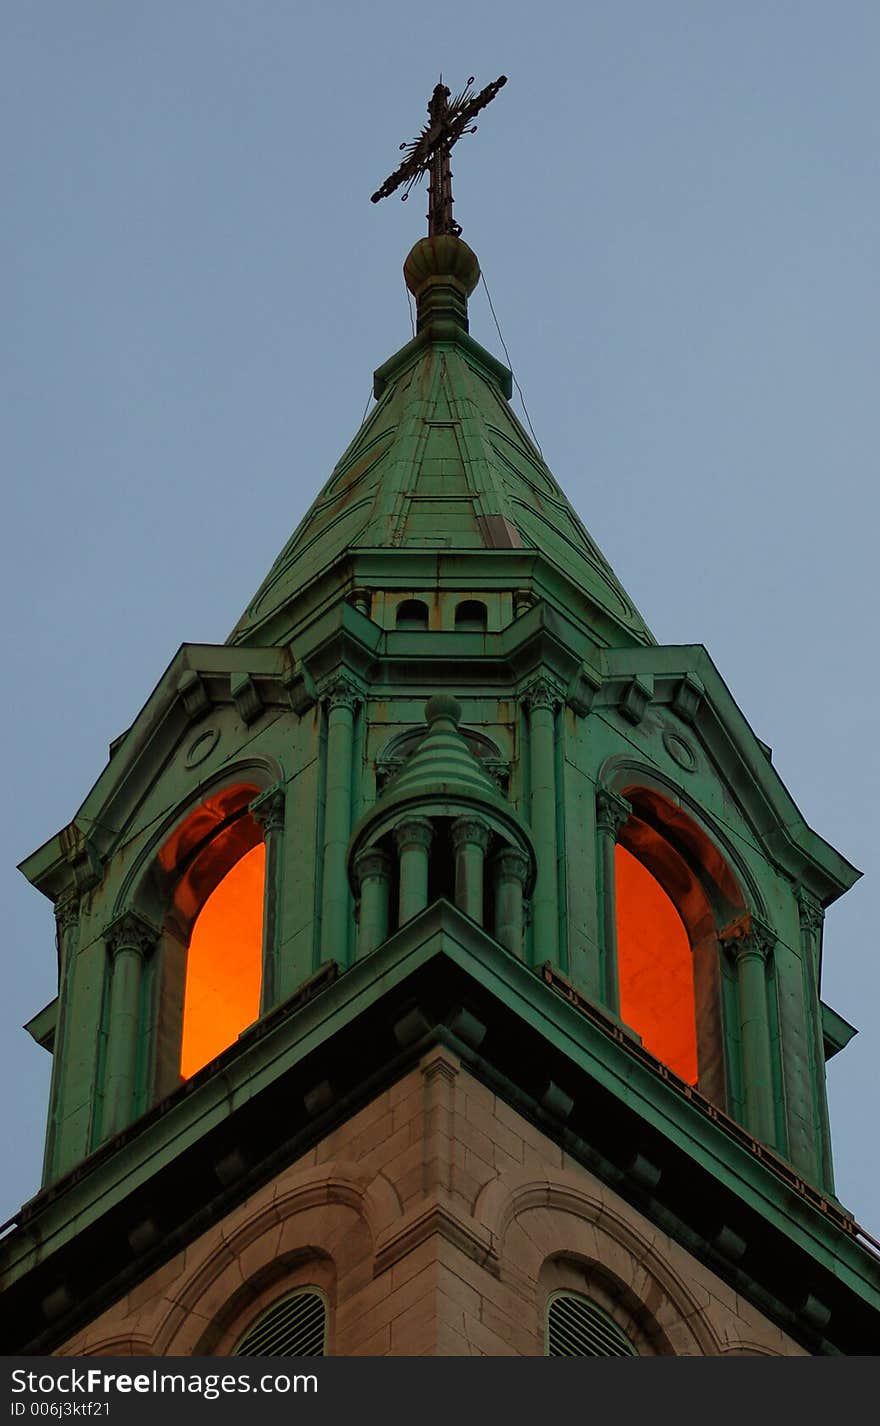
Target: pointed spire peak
[{"x": 441, "y": 272}]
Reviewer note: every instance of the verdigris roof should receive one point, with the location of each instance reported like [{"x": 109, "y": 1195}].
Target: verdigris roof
[{"x": 442, "y": 462}]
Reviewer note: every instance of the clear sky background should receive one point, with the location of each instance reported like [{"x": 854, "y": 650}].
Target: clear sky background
[{"x": 675, "y": 203}]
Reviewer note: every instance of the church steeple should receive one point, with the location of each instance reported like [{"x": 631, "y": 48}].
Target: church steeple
[{"x": 506, "y": 931}]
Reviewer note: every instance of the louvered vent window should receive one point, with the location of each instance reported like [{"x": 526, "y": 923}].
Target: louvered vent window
[
  {"x": 577, "y": 1327},
  {"x": 294, "y": 1327}
]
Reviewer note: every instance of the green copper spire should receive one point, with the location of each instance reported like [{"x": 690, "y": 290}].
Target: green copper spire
[{"x": 441, "y": 463}]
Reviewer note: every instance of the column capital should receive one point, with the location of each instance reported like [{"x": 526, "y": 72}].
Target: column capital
[
  {"x": 811, "y": 913},
  {"x": 510, "y": 862},
  {"x": 341, "y": 692},
  {"x": 267, "y": 810},
  {"x": 413, "y": 832},
  {"x": 67, "y": 910},
  {"x": 542, "y": 693},
  {"x": 371, "y": 862},
  {"x": 612, "y": 811},
  {"x": 471, "y": 831},
  {"x": 131, "y": 932},
  {"x": 747, "y": 936}
]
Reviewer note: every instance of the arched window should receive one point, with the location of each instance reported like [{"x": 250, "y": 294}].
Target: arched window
[
  {"x": 655, "y": 967},
  {"x": 578, "y": 1327},
  {"x": 294, "y": 1326},
  {"x": 208, "y": 890},
  {"x": 224, "y": 963},
  {"x": 412, "y": 614},
  {"x": 470, "y": 616},
  {"x": 673, "y": 894}
]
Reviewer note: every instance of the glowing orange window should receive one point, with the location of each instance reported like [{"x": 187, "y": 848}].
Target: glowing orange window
[
  {"x": 655, "y": 968},
  {"x": 224, "y": 963}
]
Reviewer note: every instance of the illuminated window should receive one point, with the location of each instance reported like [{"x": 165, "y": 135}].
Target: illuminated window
[
  {"x": 655, "y": 967},
  {"x": 224, "y": 963}
]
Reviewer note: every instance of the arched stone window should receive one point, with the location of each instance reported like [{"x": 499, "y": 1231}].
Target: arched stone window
[
  {"x": 412, "y": 614},
  {"x": 655, "y": 967},
  {"x": 577, "y": 1326},
  {"x": 208, "y": 888},
  {"x": 668, "y": 895},
  {"x": 224, "y": 963},
  {"x": 470, "y": 616},
  {"x": 294, "y": 1326}
]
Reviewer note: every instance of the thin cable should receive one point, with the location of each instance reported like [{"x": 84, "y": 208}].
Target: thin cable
[
  {"x": 366, "y": 409},
  {"x": 412, "y": 320},
  {"x": 522, "y": 399}
]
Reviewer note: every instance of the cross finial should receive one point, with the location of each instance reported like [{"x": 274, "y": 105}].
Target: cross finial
[{"x": 448, "y": 119}]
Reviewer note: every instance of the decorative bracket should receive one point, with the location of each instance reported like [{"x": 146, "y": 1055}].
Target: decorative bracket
[{"x": 246, "y": 697}]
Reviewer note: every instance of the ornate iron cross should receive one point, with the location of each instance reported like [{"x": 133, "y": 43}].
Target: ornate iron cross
[{"x": 429, "y": 153}]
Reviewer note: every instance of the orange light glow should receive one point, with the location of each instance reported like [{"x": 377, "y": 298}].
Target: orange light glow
[
  {"x": 655, "y": 966},
  {"x": 224, "y": 963}
]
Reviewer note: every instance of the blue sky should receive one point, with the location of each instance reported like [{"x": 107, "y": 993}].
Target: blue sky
[{"x": 676, "y": 208}]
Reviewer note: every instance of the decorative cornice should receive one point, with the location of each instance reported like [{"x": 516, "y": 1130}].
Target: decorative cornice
[
  {"x": 300, "y": 684},
  {"x": 246, "y": 697},
  {"x": 688, "y": 696},
  {"x": 131, "y": 932},
  {"x": 612, "y": 811},
  {"x": 82, "y": 858},
  {"x": 267, "y": 810},
  {"x": 193, "y": 695},
  {"x": 635, "y": 698},
  {"x": 583, "y": 688}
]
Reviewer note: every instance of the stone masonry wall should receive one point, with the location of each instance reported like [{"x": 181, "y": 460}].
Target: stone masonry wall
[{"x": 437, "y": 1221}]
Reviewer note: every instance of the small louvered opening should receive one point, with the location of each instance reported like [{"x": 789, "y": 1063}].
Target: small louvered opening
[
  {"x": 577, "y": 1327},
  {"x": 293, "y": 1327}
]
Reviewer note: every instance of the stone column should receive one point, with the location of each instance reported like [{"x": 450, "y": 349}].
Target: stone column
[
  {"x": 130, "y": 940},
  {"x": 470, "y": 842},
  {"x": 749, "y": 945},
  {"x": 811, "y": 917},
  {"x": 611, "y": 813},
  {"x": 341, "y": 702},
  {"x": 372, "y": 869},
  {"x": 413, "y": 838},
  {"x": 510, "y": 868},
  {"x": 267, "y": 811},
  {"x": 542, "y": 701},
  {"x": 67, "y": 936}
]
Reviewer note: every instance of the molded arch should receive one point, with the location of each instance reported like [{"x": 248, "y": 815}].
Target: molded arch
[
  {"x": 320, "y": 1223},
  {"x": 590, "y": 1227},
  {"x": 136, "y": 891},
  {"x": 662, "y": 804}
]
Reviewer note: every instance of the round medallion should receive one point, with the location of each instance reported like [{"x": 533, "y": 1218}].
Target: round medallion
[
  {"x": 202, "y": 747},
  {"x": 680, "y": 750}
]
